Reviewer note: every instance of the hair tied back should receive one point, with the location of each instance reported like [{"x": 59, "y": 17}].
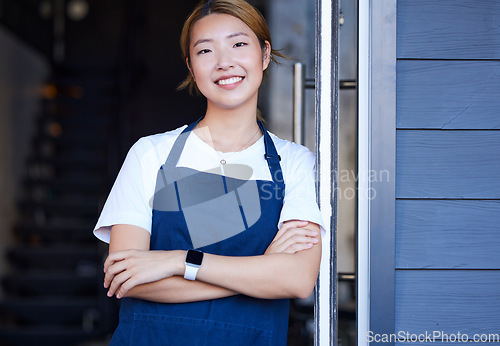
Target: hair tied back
[{"x": 206, "y": 8}]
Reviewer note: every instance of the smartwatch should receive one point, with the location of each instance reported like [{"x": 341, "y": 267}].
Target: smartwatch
[{"x": 193, "y": 263}]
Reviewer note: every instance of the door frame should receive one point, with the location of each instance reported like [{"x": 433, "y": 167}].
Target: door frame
[
  {"x": 376, "y": 154},
  {"x": 326, "y": 108}
]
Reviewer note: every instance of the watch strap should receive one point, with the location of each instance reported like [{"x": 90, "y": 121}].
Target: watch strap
[{"x": 191, "y": 271}]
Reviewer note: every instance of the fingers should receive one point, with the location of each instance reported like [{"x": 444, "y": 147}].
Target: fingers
[
  {"x": 296, "y": 243},
  {"x": 126, "y": 269},
  {"x": 297, "y": 235},
  {"x": 117, "y": 271},
  {"x": 116, "y": 256},
  {"x": 298, "y": 247},
  {"x": 112, "y": 270},
  {"x": 288, "y": 225},
  {"x": 292, "y": 237},
  {"x": 120, "y": 277},
  {"x": 116, "y": 286},
  {"x": 299, "y": 242}
]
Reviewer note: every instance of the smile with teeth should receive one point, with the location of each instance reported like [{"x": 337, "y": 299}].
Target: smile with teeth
[{"x": 231, "y": 80}]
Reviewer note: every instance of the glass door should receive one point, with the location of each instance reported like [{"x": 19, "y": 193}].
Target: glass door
[{"x": 322, "y": 37}]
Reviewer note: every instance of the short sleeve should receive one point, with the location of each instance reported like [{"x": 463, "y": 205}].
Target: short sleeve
[
  {"x": 300, "y": 189},
  {"x": 127, "y": 202}
]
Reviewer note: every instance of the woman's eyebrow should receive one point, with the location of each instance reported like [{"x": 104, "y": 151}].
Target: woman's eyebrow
[
  {"x": 203, "y": 40},
  {"x": 237, "y": 34}
]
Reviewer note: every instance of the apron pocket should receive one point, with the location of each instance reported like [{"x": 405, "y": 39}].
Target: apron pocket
[{"x": 151, "y": 329}]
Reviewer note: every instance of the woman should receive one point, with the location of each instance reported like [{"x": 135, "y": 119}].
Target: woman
[{"x": 211, "y": 227}]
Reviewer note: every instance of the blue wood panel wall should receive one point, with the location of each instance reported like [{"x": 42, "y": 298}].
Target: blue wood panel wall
[
  {"x": 443, "y": 94},
  {"x": 465, "y": 301},
  {"x": 449, "y": 29},
  {"x": 448, "y": 164},
  {"x": 448, "y": 234},
  {"x": 448, "y": 167}
]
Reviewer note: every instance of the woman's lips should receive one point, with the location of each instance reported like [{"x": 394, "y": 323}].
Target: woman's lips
[{"x": 229, "y": 81}]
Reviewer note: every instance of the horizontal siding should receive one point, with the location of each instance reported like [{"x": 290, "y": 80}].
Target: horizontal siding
[
  {"x": 448, "y": 301},
  {"x": 447, "y": 164},
  {"x": 451, "y": 343},
  {"x": 448, "y": 94},
  {"x": 449, "y": 29},
  {"x": 448, "y": 168},
  {"x": 448, "y": 234}
]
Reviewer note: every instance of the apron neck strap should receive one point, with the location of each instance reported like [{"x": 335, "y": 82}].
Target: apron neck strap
[
  {"x": 271, "y": 154},
  {"x": 272, "y": 157},
  {"x": 180, "y": 141}
]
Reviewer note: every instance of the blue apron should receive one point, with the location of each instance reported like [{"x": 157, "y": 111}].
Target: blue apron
[{"x": 236, "y": 320}]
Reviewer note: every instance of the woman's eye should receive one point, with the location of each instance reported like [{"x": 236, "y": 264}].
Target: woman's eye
[
  {"x": 204, "y": 51},
  {"x": 240, "y": 44}
]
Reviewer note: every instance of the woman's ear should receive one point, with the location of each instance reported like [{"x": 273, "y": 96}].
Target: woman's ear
[
  {"x": 266, "y": 55},
  {"x": 189, "y": 68}
]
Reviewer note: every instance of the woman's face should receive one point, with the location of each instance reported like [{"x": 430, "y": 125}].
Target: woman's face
[{"x": 227, "y": 61}]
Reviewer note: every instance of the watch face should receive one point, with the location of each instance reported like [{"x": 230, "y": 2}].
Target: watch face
[{"x": 194, "y": 257}]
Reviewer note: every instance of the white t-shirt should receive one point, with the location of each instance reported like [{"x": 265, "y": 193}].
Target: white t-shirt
[{"x": 129, "y": 199}]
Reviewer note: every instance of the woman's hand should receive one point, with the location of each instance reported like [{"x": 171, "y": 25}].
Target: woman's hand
[
  {"x": 129, "y": 268},
  {"x": 293, "y": 237}
]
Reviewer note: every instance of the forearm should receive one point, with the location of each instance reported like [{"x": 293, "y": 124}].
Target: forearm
[
  {"x": 176, "y": 289},
  {"x": 141, "y": 273},
  {"x": 268, "y": 277}
]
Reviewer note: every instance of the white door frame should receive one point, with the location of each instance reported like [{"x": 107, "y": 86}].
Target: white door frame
[
  {"x": 326, "y": 84},
  {"x": 376, "y": 154},
  {"x": 363, "y": 263}
]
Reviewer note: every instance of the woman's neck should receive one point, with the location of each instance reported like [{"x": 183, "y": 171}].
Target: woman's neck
[{"x": 229, "y": 130}]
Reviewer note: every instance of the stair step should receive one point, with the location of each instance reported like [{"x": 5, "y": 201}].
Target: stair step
[
  {"x": 70, "y": 208},
  {"x": 76, "y": 159},
  {"x": 45, "y": 336},
  {"x": 72, "y": 125},
  {"x": 62, "y": 168},
  {"x": 76, "y": 121},
  {"x": 51, "y": 283},
  {"x": 84, "y": 72},
  {"x": 56, "y": 233},
  {"x": 68, "y": 85},
  {"x": 99, "y": 106},
  {"x": 51, "y": 310},
  {"x": 43, "y": 193},
  {"x": 92, "y": 88},
  {"x": 91, "y": 184},
  {"x": 59, "y": 256},
  {"x": 90, "y": 110},
  {"x": 84, "y": 112},
  {"x": 91, "y": 140}
]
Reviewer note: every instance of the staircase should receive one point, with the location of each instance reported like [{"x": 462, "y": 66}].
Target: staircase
[{"x": 54, "y": 293}]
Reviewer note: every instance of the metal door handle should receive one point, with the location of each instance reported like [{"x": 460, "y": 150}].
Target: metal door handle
[
  {"x": 298, "y": 103},
  {"x": 300, "y": 83}
]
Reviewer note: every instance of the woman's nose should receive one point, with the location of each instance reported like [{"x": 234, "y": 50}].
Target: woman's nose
[{"x": 224, "y": 61}]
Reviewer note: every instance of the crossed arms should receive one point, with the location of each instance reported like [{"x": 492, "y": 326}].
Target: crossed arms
[{"x": 288, "y": 269}]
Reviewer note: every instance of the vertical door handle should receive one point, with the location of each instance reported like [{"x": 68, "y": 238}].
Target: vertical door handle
[
  {"x": 298, "y": 103},
  {"x": 300, "y": 83}
]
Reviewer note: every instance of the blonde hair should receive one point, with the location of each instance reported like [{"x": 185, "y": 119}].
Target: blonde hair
[{"x": 236, "y": 8}]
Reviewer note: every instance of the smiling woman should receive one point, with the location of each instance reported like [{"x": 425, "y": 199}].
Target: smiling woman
[
  {"x": 226, "y": 55},
  {"x": 199, "y": 249}
]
